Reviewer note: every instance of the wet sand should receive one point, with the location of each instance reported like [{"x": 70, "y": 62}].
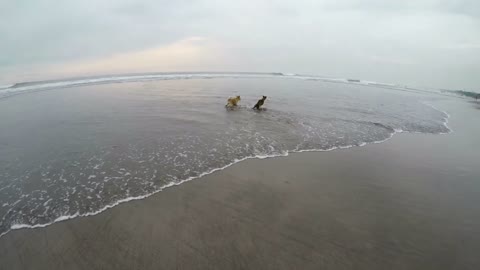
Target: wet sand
[{"x": 409, "y": 203}]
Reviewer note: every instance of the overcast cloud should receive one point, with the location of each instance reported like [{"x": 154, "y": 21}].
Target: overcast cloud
[{"x": 417, "y": 42}]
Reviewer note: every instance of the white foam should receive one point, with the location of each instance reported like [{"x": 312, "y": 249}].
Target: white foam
[
  {"x": 133, "y": 198},
  {"x": 37, "y": 86},
  {"x": 45, "y": 203},
  {"x": 5, "y": 86},
  {"x": 445, "y": 119}
]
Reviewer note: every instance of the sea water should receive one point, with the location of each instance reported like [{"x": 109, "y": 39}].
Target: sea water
[{"x": 88, "y": 144}]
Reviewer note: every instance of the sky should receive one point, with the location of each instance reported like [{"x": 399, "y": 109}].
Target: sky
[{"x": 430, "y": 43}]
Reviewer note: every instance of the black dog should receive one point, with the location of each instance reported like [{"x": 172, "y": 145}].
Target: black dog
[{"x": 259, "y": 103}]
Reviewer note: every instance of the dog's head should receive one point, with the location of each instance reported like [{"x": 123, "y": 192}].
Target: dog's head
[
  {"x": 264, "y": 97},
  {"x": 238, "y": 98}
]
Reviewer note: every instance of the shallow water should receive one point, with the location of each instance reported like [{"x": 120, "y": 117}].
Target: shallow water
[{"x": 77, "y": 151}]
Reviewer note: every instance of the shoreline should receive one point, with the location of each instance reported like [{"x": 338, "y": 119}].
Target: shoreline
[
  {"x": 257, "y": 157},
  {"x": 364, "y": 207}
]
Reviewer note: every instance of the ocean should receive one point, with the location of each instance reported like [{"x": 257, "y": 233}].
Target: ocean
[{"x": 77, "y": 147}]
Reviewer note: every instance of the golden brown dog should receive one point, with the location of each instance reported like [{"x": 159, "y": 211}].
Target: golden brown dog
[{"x": 233, "y": 101}]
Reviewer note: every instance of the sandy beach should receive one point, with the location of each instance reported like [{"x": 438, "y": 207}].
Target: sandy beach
[{"x": 408, "y": 203}]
